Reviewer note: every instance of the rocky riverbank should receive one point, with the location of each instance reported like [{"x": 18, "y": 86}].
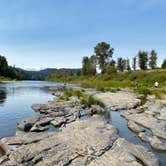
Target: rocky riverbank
[
  {"x": 91, "y": 141},
  {"x": 149, "y": 122}
]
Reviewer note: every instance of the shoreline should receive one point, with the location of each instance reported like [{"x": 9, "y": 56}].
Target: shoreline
[{"x": 51, "y": 114}]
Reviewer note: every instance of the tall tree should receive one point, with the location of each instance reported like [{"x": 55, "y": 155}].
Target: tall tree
[
  {"x": 103, "y": 52},
  {"x": 3, "y": 66},
  {"x": 128, "y": 65},
  {"x": 134, "y": 63},
  {"x": 163, "y": 66},
  {"x": 85, "y": 65},
  {"x": 121, "y": 64},
  {"x": 89, "y": 65},
  {"x": 143, "y": 59},
  {"x": 153, "y": 59}
]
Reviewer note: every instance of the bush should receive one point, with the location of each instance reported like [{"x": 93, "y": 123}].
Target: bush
[{"x": 90, "y": 100}]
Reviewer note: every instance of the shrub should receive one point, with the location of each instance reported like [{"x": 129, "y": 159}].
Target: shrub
[{"x": 90, "y": 100}]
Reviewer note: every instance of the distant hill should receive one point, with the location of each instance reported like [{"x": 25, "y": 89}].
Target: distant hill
[{"x": 41, "y": 74}]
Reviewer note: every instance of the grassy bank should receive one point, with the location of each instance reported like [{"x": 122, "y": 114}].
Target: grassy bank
[
  {"x": 139, "y": 81},
  {"x": 6, "y": 79}
]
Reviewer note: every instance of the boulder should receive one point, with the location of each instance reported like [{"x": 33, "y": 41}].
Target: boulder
[{"x": 27, "y": 123}]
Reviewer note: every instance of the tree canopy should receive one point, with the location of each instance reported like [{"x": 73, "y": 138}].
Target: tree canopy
[{"x": 103, "y": 52}]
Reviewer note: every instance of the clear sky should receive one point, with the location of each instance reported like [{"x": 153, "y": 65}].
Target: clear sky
[{"x": 58, "y": 33}]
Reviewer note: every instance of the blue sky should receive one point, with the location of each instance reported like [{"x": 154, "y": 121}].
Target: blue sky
[{"x": 58, "y": 33}]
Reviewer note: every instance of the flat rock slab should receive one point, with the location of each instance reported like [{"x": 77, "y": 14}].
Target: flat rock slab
[
  {"x": 78, "y": 140},
  {"x": 124, "y": 153},
  {"x": 88, "y": 142},
  {"x": 120, "y": 100},
  {"x": 135, "y": 127},
  {"x": 158, "y": 128}
]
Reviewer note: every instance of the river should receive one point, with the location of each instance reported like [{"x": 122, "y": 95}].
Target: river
[
  {"x": 16, "y": 100},
  {"x": 15, "y": 104}
]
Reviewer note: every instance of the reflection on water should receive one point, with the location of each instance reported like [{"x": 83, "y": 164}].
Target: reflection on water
[
  {"x": 3, "y": 95},
  {"x": 16, "y": 100}
]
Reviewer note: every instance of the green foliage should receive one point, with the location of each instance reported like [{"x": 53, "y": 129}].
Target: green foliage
[
  {"x": 143, "y": 59},
  {"x": 103, "y": 53},
  {"x": 89, "y": 65},
  {"x": 6, "y": 70},
  {"x": 163, "y": 66},
  {"x": 153, "y": 60},
  {"x": 134, "y": 63},
  {"x": 90, "y": 100},
  {"x": 110, "y": 70},
  {"x": 121, "y": 64},
  {"x": 82, "y": 96}
]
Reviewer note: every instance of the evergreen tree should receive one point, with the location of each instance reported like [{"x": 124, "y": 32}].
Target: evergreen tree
[
  {"x": 121, "y": 64},
  {"x": 128, "y": 68},
  {"x": 153, "y": 60},
  {"x": 163, "y": 66},
  {"x": 143, "y": 59},
  {"x": 134, "y": 63}
]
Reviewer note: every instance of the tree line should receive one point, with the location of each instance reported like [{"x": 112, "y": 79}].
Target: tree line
[
  {"x": 102, "y": 59},
  {"x": 6, "y": 70}
]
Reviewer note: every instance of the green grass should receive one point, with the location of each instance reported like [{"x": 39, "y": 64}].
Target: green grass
[
  {"x": 5, "y": 79},
  {"x": 82, "y": 97},
  {"x": 140, "y": 81}
]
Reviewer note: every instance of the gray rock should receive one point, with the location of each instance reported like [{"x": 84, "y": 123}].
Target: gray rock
[
  {"x": 148, "y": 121},
  {"x": 79, "y": 141},
  {"x": 89, "y": 142},
  {"x": 37, "y": 128},
  {"x": 57, "y": 122},
  {"x": 135, "y": 127},
  {"x": 123, "y": 153},
  {"x": 38, "y": 107},
  {"x": 44, "y": 121},
  {"x": 144, "y": 137},
  {"x": 27, "y": 123},
  {"x": 96, "y": 109},
  {"x": 120, "y": 100},
  {"x": 158, "y": 144}
]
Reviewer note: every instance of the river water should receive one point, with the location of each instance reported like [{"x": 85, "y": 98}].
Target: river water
[
  {"x": 16, "y": 100},
  {"x": 15, "y": 104}
]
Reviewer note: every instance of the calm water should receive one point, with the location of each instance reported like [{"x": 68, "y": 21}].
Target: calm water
[
  {"x": 16, "y": 100},
  {"x": 124, "y": 132}
]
